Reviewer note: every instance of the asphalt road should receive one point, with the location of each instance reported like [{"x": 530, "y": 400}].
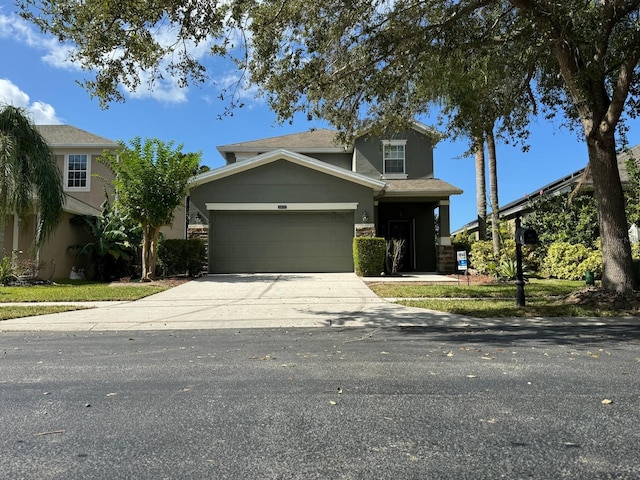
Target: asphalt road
[{"x": 412, "y": 403}]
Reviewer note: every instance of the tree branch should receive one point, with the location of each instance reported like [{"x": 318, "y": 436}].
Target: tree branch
[{"x": 621, "y": 90}]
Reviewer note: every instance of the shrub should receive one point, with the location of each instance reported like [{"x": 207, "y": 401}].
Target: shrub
[
  {"x": 463, "y": 241},
  {"x": 482, "y": 259},
  {"x": 508, "y": 269},
  {"x": 7, "y": 271},
  {"x": 179, "y": 256},
  {"x": 369, "y": 255},
  {"x": 568, "y": 261},
  {"x": 486, "y": 263}
]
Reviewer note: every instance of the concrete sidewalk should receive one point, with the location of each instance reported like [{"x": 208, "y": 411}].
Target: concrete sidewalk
[{"x": 265, "y": 300}]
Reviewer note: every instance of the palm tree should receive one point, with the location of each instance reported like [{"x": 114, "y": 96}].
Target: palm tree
[{"x": 30, "y": 180}]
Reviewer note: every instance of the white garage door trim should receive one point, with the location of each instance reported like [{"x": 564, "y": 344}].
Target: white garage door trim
[{"x": 298, "y": 207}]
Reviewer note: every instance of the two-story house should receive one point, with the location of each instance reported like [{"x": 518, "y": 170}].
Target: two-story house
[
  {"x": 85, "y": 178},
  {"x": 294, "y": 203},
  {"x": 76, "y": 152}
]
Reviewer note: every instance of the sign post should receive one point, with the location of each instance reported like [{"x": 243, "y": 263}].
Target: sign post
[{"x": 461, "y": 257}]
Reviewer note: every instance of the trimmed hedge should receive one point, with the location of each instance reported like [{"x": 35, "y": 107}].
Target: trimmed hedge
[
  {"x": 180, "y": 256},
  {"x": 368, "y": 255}
]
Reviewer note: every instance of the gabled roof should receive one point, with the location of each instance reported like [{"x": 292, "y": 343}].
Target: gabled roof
[
  {"x": 321, "y": 140},
  {"x": 293, "y": 157},
  {"x": 70, "y": 136},
  {"x": 312, "y": 141}
]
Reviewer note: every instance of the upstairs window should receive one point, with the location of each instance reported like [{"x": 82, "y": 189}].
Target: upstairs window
[
  {"x": 394, "y": 158},
  {"x": 77, "y": 173}
]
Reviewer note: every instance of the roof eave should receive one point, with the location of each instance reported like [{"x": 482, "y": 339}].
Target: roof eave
[
  {"x": 294, "y": 157},
  {"x": 423, "y": 193},
  {"x": 224, "y": 149},
  {"x": 84, "y": 145}
]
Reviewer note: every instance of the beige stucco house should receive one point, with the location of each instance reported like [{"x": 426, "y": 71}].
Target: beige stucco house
[{"x": 85, "y": 179}]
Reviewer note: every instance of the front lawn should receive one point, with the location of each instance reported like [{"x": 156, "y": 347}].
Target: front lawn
[
  {"x": 534, "y": 288},
  {"x": 78, "y": 291},
  {"x": 544, "y": 298},
  {"x": 8, "y": 312}
]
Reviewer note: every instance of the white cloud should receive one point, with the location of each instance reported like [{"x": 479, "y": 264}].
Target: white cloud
[
  {"x": 232, "y": 83},
  {"x": 165, "y": 89},
  {"x": 41, "y": 113},
  {"x": 14, "y": 28},
  {"x": 44, "y": 114},
  {"x": 10, "y": 94}
]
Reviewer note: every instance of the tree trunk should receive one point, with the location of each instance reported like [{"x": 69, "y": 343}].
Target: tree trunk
[
  {"x": 493, "y": 187},
  {"x": 617, "y": 272},
  {"x": 481, "y": 188},
  {"x": 149, "y": 252}
]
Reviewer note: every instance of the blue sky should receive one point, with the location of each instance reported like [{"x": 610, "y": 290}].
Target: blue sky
[{"x": 36, "y": 75}]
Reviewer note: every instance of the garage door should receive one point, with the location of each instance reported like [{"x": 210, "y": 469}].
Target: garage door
[{"x": 281, "y": 242}]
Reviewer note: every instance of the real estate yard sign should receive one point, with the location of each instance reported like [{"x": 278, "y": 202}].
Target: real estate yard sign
[{"x": 462, "y": 260}]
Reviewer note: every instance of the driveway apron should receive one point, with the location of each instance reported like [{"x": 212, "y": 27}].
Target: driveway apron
[{"x": 243, "y": 301}]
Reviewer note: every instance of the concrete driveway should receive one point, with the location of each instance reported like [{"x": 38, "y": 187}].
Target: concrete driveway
[{"x": 244, "y": 301}]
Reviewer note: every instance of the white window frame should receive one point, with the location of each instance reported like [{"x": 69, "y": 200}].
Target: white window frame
[
  {"x": 87, "y": 186},
  {"x": 394, "y": 175}
]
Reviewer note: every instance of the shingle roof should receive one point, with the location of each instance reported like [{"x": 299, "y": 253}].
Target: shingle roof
[
  {"x": 315, "y": 140},
  {"x": 70, "y": 136},
  {"x": 320, "y": 140},
  {"x": 420, "y": 187}
]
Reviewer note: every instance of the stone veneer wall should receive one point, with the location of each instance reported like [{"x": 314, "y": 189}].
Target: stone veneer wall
[
  {"x": 365, "y": 229},
  {"x": 201, "y": 231}
]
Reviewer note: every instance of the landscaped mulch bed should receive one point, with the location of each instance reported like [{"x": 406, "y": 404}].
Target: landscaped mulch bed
[{"x": 596, "y": 297}]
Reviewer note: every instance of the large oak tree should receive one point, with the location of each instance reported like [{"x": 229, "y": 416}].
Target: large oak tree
[{"x": 363, "y": 63}]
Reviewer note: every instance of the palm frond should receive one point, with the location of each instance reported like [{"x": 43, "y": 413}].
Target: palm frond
[{"x": 30, "y": 179}]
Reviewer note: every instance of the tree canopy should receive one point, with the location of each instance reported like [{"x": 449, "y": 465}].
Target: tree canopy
[
  {"x": 30, "y": 181},
  {"x": 151, "y": 181},
  {"x": 372, "y": 62}
]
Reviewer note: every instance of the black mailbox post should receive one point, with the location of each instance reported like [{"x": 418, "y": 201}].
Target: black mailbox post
[{"x": 524, "y": 236}]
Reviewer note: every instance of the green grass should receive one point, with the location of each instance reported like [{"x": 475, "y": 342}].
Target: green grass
[
  {"x": 534, "y": 288},
  {"x": 507, "y": 308},
  {"x": 29, "y": 311},
  {"x": 543, "y": 299},
  {"x": 77, "y": 292}
]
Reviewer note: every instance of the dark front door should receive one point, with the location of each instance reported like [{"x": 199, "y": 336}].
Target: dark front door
[{"x": 403, "y": 230}]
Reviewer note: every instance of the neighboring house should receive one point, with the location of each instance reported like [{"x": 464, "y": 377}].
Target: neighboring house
[
  {"x": 294, "y": 203},
  {"x": 84, "y": 182},
  {"x": 521, "y": 206}
]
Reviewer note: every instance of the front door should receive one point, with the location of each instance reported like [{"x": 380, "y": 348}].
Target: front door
[{"x": 403, "y": 230}]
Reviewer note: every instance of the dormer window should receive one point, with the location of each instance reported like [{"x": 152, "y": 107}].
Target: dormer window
[
  {"x": 77, "y": 172},
  {"x": 393, "y": 153}
]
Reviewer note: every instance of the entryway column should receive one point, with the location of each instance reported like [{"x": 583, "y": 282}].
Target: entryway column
[
  {"x": 446, "y": 262},
  {"x": 445, "y": 223}
]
